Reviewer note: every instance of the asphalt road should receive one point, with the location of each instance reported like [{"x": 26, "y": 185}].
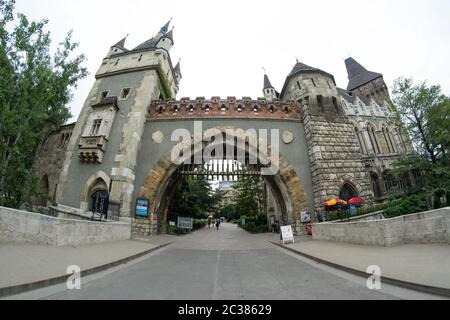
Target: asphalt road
[{"x": 220, "y": 265}]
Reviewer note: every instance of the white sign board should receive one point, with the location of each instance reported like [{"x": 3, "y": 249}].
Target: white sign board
[
  {"x": 186, "y": 223},
  {"x": 305, "y": 217},
  {"x": 287, "y": 235}
]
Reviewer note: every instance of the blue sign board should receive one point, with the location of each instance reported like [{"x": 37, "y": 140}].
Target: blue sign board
[{"x": 142, "y": 208}]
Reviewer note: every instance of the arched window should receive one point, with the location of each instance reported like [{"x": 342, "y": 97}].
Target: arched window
[
  {"x": 348, "y": 192},
  {"x": 376, "y": 187},
  {"x": 373, "y": 138},
  {"x": 99, "y": 197},
  {"x": 391, "y": 140},
  {"x": 360, "y": 140},
  {"x": 44, "y": 189},
  {"x": 386, "y": 139}
]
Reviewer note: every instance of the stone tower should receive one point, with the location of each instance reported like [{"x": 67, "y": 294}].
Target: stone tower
[
  {"x": 335, "y": 161},
  {"x": 269, "y": 91},
  {"x": 366, "y": 84},
  {"x": 125, "y": 85}
]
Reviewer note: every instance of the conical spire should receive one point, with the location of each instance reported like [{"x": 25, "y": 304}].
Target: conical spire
[
  {"x": 302, "y": 67},
  {"x": 358, "y": 75},
  {"x": 267, "y": 83},
  {"x": 121, "y": 43},
  {"x": 165, "y": 29},
  {"x": 177, "y": 68},
  {"x": 169, "y": 35}
]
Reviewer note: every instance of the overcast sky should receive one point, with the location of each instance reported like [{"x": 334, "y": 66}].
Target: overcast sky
[{"x": 225, "y": 44}]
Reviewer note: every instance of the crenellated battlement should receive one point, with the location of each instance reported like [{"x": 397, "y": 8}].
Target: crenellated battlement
[{"x": 216, "y": 107}]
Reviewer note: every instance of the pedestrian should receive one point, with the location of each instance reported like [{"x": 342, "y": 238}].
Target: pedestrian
[
  {"x": 217, "y": 224},
  {"x": 319, "y": 216},
  {"x": 209, "y": 223}
]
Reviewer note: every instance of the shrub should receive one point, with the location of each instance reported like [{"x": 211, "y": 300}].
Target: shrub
[
  {"x": 256, "y": 228},
  {"x": 174, "y": 230},
  {"x": 408, "y": 205},
  {"x": 200, "y": 223}
]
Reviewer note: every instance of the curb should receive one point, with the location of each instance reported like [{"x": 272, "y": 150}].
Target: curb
[
  {"x": 399, "y": 283},
  {"x": 21, "y": 288}
]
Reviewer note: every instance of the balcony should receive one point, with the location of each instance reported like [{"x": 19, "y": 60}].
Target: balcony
[{"x": 92, "y": 148}]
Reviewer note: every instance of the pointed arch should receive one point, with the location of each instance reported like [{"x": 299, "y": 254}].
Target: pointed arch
[{"x": 99, "y": 181}]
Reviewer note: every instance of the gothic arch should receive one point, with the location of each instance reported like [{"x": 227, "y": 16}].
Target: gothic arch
[
  {"x": 287, "y": 186},
  {"x": 97, "y": 181}
]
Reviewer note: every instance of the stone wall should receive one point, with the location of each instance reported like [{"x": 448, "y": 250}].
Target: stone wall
[
  {"x": 335, "y": 159},
  {"x": 426, "y": 227},
  {"x": 49, "y": 160},
  {"x": 26, "y": 227}
]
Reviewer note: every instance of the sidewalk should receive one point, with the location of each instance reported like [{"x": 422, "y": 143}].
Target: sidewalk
[
  {"x": 26, "y": 267},
  {"x": 423, "y": 267}
]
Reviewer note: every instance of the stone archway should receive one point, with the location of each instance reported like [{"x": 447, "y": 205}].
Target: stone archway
[
  {"x": 97, "y": 182},
  {"x": 286, "y": 185}
]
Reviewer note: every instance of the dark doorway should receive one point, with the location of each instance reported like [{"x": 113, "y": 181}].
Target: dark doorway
[
  {"x": 99, "y": 202},
  {"x": 347, "y": 192}
]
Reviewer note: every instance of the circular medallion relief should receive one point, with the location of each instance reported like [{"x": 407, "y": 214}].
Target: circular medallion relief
[
  {"x": 288, "y": 137},
  {"x": 158, "y": 137}
]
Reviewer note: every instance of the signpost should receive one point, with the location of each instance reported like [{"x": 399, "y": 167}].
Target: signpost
[
  {"x": 142, "y": 206},
  {"x": 186, "y": 223},
  {"x": 287, "y": 235}
]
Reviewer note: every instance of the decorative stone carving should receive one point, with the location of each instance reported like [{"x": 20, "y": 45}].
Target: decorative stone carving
[
  {"x": 288, "y": 137},
  {"x": 158, "y": 137}
]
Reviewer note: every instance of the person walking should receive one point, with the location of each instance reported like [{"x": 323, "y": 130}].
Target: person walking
[{"x": 217, "y": 224}]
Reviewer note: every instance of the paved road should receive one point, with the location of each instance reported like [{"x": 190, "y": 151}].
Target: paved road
[{"x": 225, "y": 264}]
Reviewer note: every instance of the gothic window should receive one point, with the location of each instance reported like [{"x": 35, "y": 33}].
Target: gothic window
[
  {"x": 239, "y": 108},
  {"x": 386, "y": 139},
  {"x": 391, "y": 140},
  {"x": 360, "y": 139},
  {"x": 347, "y": 192},
  {"x": 373, "y": 138},
  {"x": 307, "y": 100},
  {"x": 125, "y": 93},
  {"x": 256, "y": 109},
  {"x": 335, "y": 104},
  {"x": 402, "y": 140},
  {"x": 207, "y": 108},
  {"x": 320, "y": 103},
  {"x": 223, "y": 108},
  {"x": 376, "y": 187},
  {"x": 104, "y": 95},
  {"x": 96, "y": 127}
]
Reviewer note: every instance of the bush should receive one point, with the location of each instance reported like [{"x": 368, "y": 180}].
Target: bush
[
  {"x": 408, "y": 205},
  {"x": 174, "y": 230},
  {"x": 200, "y": 223},
  {"x": 256, "y": 228}
]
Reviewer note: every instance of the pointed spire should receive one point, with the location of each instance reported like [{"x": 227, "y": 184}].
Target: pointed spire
[
  {"x": 165, "y": 29},
  {"x": 267, "y": 83},
  {"x": 169, "y": 35},
  {"x": 178, "y": 67},
  {"x": 358, "y": 75},
  {"x": 121, "y": 43}
]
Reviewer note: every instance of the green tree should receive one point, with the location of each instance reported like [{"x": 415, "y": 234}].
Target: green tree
[
  {"x": 414, "y": 104},
  {"x": 35, "y": 88},
  {"x": 250, "y": 196},
  {"x": 425, "y": 111},
  {"x": 194, "y": 198}
]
